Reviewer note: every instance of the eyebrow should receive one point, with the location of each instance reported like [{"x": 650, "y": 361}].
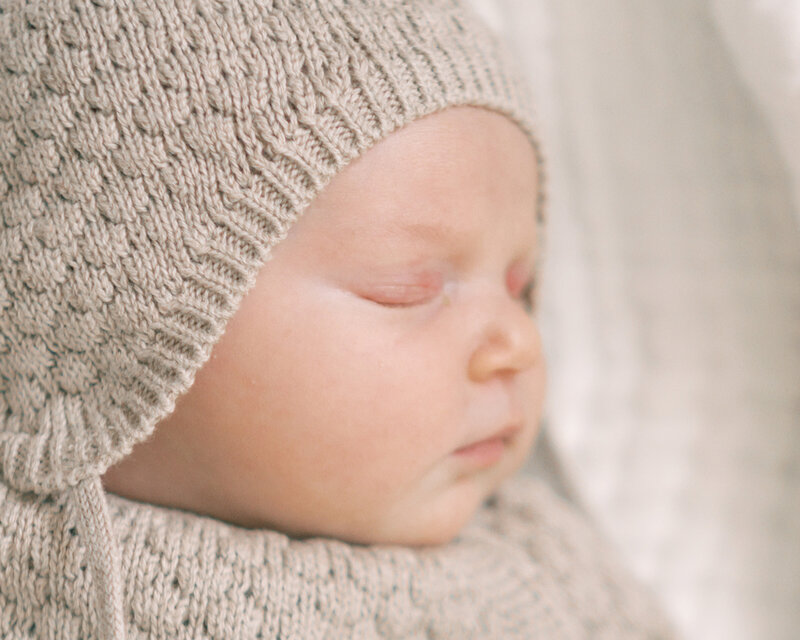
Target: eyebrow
[
  {"x": 445, "y": 234},
  {"x": 430, "y": 232}
]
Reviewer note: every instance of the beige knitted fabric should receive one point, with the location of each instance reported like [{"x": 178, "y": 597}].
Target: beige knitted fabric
[
  {"x": 151, "y": 154},
  {"x": 527, "y": 567}
]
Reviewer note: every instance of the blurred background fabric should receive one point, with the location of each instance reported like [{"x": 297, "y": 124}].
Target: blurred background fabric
[
  {"x": 763, "y": 38},
  {"x": 671, "y": 290}
]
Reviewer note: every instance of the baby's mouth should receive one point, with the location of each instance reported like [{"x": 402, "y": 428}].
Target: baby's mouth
[{"x": 486, "y": 452}]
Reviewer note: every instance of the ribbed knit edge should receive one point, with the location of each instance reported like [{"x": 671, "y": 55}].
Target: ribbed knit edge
[{"x": 412, "y": 53}]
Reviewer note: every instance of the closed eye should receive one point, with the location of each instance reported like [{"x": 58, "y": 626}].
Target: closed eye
[
  {"x": 400, "y": 296},
  {"x": 403, "y": 294},
  {"x": 521, "y": 283}
]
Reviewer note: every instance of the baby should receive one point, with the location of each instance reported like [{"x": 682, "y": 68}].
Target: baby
[
  {"x": 384, "y": 375},
  {"x": 267, "y": 343}
]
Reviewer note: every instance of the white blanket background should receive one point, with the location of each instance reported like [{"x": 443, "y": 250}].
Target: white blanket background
[{"x": 671, "y": 308}]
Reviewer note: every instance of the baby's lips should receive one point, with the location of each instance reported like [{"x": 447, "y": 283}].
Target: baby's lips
[
  {"x": 488, "y": 451},
  {"x": 504, "y": 435}
]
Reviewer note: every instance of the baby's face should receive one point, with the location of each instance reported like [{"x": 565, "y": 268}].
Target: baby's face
[{"x": 386, "y": 336}]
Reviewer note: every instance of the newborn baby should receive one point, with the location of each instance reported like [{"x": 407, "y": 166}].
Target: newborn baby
[
  {"x": 267, "y": 352},
  {"x": 384, "y": 375}
]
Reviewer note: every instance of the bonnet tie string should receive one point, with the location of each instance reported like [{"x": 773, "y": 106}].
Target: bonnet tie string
[{"x": 95, "y": 527}]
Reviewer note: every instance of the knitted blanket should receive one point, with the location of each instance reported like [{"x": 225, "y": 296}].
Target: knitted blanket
[{"x": 527, "y": 566}]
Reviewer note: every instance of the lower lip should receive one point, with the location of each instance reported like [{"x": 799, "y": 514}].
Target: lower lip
[{"x": 484, "y": 453}]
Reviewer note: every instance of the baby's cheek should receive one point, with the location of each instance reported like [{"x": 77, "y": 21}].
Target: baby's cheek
[
  {"x": 384, "y": 398},
  {"x": 532, "y": 390},
  {"x": 397, "y": 426}
]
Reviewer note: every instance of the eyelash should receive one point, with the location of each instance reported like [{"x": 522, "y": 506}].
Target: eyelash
[
  {"x": 527, "y": 295},
  {"x": 400, "y": 305}
]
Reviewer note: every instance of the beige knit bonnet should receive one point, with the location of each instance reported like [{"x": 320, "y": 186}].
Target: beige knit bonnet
[{"x": 151, "y": 154}]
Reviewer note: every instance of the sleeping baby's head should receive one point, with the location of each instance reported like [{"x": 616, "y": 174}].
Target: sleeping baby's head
[
  {"x": 385, "y": 373},
  {"x": 271, "y": 262}
]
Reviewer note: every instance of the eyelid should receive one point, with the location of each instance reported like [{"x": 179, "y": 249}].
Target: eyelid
[
  {"x": 518, "y": 277},
  {"x": 521, "y": 280},
  {"x": 407, "y": 291},
  {"x": 418, "y": 288}
]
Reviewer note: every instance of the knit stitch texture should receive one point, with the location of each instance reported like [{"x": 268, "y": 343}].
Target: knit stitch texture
[
  {"x": 151, "y": 153},
  {"x": 527, "y": 567}
]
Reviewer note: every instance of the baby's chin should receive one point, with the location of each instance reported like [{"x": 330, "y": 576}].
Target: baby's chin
[
  {"x": 432, "y": 523},
  {"x": 429, "y": 532},
  {"x": 430, "y": 519},
  {"x": 443, "y": 518}
]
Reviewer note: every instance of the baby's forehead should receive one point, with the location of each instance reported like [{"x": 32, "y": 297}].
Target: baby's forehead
[
  {"x": 418, "y": 243},
  {"x": 427, "y": 185},
  {"x": 442, "y": 158},
  {"x": 376, "y": 228}
]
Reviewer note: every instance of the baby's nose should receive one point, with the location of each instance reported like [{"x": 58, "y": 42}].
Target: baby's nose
[{"x": 510, "y": 343}]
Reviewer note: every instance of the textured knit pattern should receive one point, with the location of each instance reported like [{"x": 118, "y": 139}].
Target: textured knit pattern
[
  {"x": 526, "y": 567},
  {"x": 151, "y": 153},
  {"x": 96, "y": 529}
]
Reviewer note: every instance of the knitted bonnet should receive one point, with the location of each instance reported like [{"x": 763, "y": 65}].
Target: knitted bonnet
[{"x": 151, "y": 154}]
